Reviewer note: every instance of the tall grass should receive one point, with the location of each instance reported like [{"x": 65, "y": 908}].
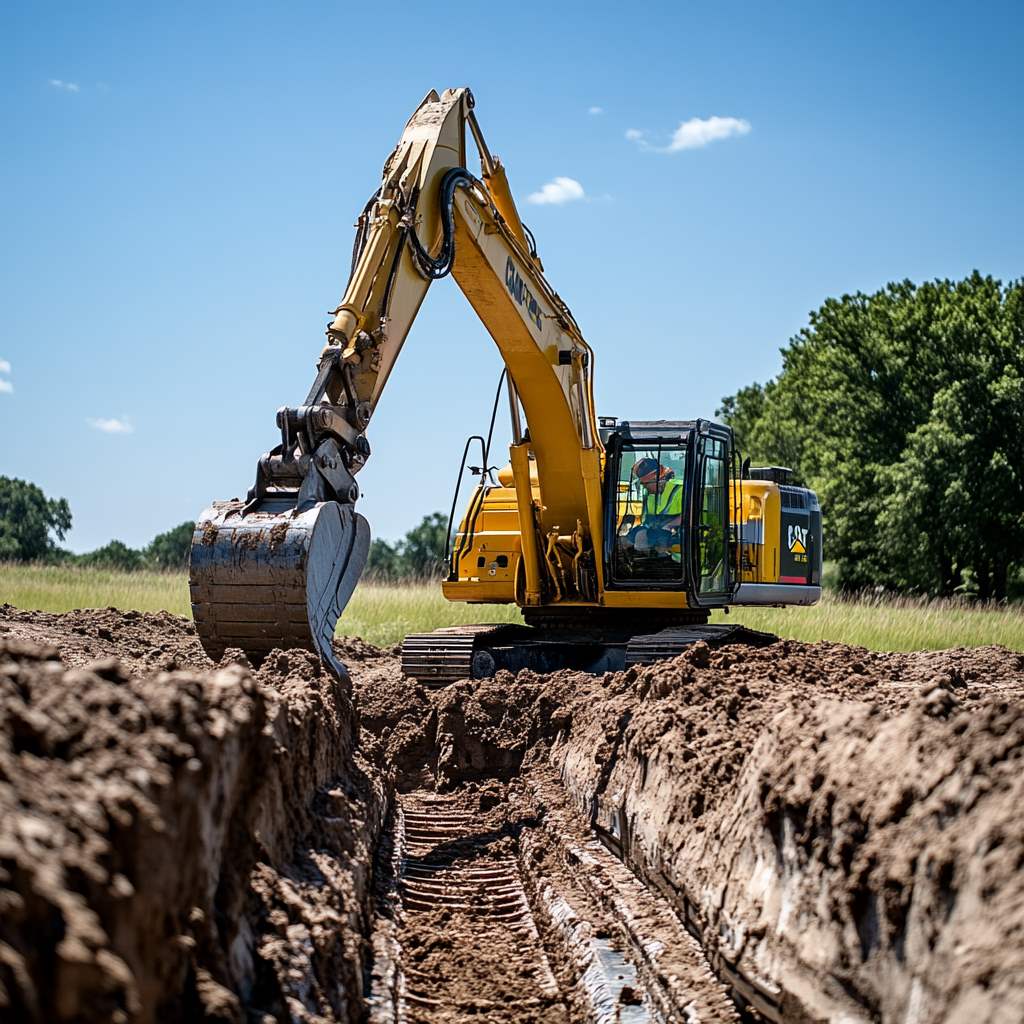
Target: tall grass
[
  {"x": 384, "y": 613},
  {"x": 380, "y": 613},
  {"x": 888, "y": 623},
  {"x": 60, "y": 588}
]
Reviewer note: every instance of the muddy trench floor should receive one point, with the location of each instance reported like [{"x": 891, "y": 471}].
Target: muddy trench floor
[
  {"x": 800, "y": 832},
  {"x": 496, "y": 905}
]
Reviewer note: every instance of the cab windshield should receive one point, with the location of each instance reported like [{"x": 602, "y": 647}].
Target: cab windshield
[{"x": 650, "y": 504}]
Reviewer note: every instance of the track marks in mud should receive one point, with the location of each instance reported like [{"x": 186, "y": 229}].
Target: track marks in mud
[
  {"x": 672, "y": 978},
  {"x": 466, "y": 944},
  {"x": 516, "y": 915}
]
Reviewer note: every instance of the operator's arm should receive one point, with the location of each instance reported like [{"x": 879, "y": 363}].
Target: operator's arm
[
  {"x": 385, "y": 289},
  {"x": 431, "y": 217}
]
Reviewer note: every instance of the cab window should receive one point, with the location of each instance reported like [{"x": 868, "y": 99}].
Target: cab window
[
  {"x": 714, "y": 482},
  {"x": 650, "y": 507}
]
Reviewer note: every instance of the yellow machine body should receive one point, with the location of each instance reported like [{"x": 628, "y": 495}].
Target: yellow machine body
[
  {"x": 488, "y": 559},
  {"x": 547, "y": 534}
]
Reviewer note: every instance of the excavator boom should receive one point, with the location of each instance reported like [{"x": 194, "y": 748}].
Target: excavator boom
[{"x": 278, "y": 569}]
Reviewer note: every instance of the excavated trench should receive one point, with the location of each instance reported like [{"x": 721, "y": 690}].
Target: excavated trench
[
  {"x": 801, "y": 832},
  {"x": 505, "y": 912}
]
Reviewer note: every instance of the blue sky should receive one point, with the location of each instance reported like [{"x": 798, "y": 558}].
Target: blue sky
[{"x": 179, "y": 184}]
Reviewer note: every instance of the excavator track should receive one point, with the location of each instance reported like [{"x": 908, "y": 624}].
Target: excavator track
[
  {"x": 670, "y": 643},
  {"x": 445, "y": 655},
  {"x": 477, "y": 652}
]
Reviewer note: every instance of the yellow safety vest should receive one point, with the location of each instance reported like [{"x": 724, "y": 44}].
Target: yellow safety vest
[{"x": 667, "y": 502}]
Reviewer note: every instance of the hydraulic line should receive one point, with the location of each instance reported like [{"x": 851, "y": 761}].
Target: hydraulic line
[
  {"x": 359, "y": 243},
  {"x": 530, "y": 239},
  {"x": 433, "y": 268}
]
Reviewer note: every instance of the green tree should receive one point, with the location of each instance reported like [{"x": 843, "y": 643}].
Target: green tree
[
  {"x": 903, "y": 410},
  {"x": 27, "y": 520},
  {"x": 383, "y": 561},
  {"x": 170, "y": 550},
  {"x": 422, "y": 549},
  {"x": 418, "y": 555},
  {"x": 742, "y": 412},
  {"x": 115, "y": 555}
]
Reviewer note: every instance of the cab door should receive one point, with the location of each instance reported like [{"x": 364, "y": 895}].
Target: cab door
[{"x": 711, "y": 577}]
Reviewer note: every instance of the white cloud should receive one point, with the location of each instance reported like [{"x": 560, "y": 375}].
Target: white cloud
[
  {"x": 65, "y": 86},
  {"x": 5, "y": 367},
  {"x": 693, "y": 134},
  {"x": 699, "y": 131},
  {"x": 595, "y": 110},
  {"x": 112, "y": 425},
  {"x": 6, "y": 387},
  {"x": 557, "y": 191}
]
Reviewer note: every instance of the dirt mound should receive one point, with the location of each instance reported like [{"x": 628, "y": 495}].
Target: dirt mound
[
  {"x": 183, "y": 845},
  {"x": 835, "y": 824},
  {"x": 469, "y": 731},
  {"x": 178, "y": 840},
  {"x": 143, "y": 642}
]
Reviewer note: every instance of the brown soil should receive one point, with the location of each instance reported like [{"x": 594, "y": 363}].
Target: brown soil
[
  {"x": 838, "y": 823},
  {"x": 839, "y": 826},
  {"x": 839, "y": 829},
  {"x": 175, "y": 845}
]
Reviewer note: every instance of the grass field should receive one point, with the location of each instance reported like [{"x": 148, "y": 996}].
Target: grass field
[
  {"x": 378, "y": 613},
  {"x": 384, "y": 614}
]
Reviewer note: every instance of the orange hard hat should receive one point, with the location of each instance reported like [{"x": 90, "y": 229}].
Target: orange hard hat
[{"x": 649, "y": 471}]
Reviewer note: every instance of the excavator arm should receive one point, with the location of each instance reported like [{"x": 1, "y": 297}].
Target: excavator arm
[{"x": 278, "y": 569}]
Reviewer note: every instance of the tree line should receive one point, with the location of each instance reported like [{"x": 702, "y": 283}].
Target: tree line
[
  {"x": 419, "y": 555},
  {"x": 904, "y": 411},
  {"x": 32, "y": 526}
]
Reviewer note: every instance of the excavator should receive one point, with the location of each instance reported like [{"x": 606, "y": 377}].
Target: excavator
[{"x": 616, "y": 538}]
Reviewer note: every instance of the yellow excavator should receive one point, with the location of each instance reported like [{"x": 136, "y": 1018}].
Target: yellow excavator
[{"x": 616, "y": 538}]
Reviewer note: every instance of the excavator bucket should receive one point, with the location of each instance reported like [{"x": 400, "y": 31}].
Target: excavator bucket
[{"x": 272, "y": 576}]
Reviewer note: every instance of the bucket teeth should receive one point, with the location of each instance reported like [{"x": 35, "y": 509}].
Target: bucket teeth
[{"x": 275, "y": 577}]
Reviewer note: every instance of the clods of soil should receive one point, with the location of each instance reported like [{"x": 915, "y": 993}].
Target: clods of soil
[{"x": 836, "y": 831}]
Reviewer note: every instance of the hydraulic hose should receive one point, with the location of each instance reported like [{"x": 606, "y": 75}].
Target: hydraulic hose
[
  {"x": 359, "y": 243},
  {"x": 433, "y": 268}
]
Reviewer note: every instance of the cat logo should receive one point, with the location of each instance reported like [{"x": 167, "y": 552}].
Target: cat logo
[{"x": 798, "y": 540}]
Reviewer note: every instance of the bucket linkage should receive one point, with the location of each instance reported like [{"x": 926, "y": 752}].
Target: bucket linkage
[{"x": 277, "y": 570}]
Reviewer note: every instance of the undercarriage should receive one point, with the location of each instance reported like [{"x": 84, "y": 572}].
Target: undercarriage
[{"x": 480, "y": 651}]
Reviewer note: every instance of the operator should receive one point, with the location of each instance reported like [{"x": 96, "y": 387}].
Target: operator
[{"x": 660, "y": 528}]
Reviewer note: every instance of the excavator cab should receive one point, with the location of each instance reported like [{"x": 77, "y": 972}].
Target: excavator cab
[{"x": 667, "y": 510}]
